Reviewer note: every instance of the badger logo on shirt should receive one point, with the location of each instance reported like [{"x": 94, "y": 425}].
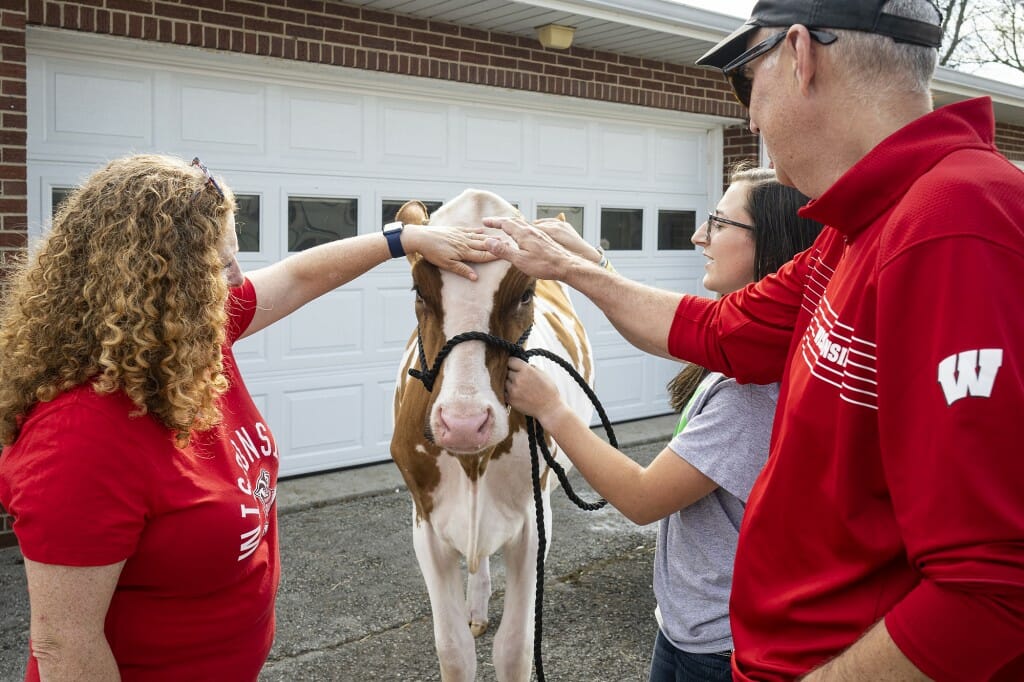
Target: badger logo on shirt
[
  {"x": 265, "y": 496},
  {"x": 263, "y": 492}
]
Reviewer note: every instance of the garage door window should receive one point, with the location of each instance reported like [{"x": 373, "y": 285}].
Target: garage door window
[
  {"x": 247, "y": 222},
  {"x": 622, "y": 228},
  {"x": 389, "y": 209},
  {"x": 573, "y": 214},
  {"x": 675, "y": 229},
  {"x": 317, "y": 220},
  {"x": 57, "y": 197}
]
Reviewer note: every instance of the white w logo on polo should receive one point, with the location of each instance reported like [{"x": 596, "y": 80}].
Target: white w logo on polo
[{"x": 971, "y": 372}]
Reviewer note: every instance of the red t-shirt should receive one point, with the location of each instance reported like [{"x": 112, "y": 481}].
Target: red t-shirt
[{"x": 89, "y": 485}]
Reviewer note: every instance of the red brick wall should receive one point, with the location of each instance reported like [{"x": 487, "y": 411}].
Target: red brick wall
[
  {"x": 739, "y": 144},
  {"x": 13, "y": 126}
]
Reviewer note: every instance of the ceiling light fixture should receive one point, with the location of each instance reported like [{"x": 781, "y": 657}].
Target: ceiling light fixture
[{"x": 555, "y": 37}]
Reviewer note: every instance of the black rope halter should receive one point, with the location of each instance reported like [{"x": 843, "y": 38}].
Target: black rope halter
[{"x": 535, "y": 432}]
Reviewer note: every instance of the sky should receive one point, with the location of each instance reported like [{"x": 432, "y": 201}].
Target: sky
[{"x": 741, "y": 9}]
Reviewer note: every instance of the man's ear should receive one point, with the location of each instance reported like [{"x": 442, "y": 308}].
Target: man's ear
[{"x": 805, "y": 57}]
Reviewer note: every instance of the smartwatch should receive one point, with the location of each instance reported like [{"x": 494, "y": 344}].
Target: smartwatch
[{"x": 393, "y": 233}]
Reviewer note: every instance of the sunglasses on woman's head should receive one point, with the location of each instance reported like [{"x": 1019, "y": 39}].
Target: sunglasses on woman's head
[
  {"x": 741, "y": 83},
  {"x": 196, "y": 163}
]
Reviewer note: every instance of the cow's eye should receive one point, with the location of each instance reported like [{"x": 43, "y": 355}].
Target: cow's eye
[{"x": 526, "y": 297}]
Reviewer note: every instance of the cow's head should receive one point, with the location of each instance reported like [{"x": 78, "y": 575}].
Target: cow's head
[{"x": 466, "y": 412}]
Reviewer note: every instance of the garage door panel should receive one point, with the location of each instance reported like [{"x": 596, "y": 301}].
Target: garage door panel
[
  {"x": 491, "y": 141},
  {"x": 324, "y": 377},
  {"x": 600, "y": 331},
  {"x": 324, "y": 419},
  {"x": 413, "y": 134},
  {"x": 381, "y": 398},
  {"x": 677, "y": 157},
  {"x": 253, "y": 351},
  {"x": 622, "y": 152},
  {"x": 562, "y": 148},
  {"x": 323, "y": 127},
  {"x": 91, "y": 105},
  {"x": 98, "y": 101},
  {"x": 222, "y": 116},
  {"x": 397, "y": 321},
  {"x": 328, "y": 328},
  {"x": 659, "y": 372},
  {"x": 617, "y": 384}
]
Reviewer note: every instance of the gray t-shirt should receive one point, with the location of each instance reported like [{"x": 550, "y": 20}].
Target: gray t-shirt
[{"x": 726, "y": 437}]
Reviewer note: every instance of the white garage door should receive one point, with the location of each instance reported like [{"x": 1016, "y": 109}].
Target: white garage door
[{"x": 320, "y": 152}]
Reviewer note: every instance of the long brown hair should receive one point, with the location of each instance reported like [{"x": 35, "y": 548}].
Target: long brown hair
[
  {"x": 779, "y": 234},
  {"x": 125, "y": 291}
]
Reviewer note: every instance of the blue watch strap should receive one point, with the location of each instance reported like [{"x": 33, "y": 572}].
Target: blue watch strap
[{"x": 393, "y": 233}]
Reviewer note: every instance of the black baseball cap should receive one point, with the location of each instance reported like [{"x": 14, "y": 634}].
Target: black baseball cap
[{"x": 847, "y": 15}]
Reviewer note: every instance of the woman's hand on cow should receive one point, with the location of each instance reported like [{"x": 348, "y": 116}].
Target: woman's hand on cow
[
  {"x": 449, "y": 248},
  {"x": 530, "y": 391},
  {"x": 530, "y": 249}
]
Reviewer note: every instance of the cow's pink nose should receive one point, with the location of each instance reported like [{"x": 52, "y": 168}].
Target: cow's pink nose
[{"x": 465, "y": 433}]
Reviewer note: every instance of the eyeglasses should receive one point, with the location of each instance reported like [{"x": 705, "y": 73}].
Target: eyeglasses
[
  {"x": 717, "y": 223},
  {"x": 741, "y": 83},
  {"x": 196, "y": 163}
]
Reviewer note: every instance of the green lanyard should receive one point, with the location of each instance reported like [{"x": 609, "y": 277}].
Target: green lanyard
[{"x": 684, "y": 416}]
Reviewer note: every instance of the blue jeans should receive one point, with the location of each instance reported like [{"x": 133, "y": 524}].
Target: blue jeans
[{"x": 669, "y": 664}]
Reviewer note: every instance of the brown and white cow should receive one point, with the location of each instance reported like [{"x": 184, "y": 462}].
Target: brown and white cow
[{"x": 465, "y": 456}]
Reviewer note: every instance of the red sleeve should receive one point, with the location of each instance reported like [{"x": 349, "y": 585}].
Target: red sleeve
[
  {"x": 241, "y": 308},
  {"x": 747, "y": 334},
  {"x": 951, "y": 391},
  {"x": 78, "y": 486}
]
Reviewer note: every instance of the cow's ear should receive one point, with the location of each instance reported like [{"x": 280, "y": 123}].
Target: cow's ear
[
  {"x": 413, "y": 213},
  {"x": 413, "y": 258}
]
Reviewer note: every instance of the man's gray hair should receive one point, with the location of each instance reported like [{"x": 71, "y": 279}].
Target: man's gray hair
[{"x": 883, "y": 64}]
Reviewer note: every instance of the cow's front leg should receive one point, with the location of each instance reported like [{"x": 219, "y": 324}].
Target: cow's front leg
[
  {"x": 478, "y": 595},
  {"x": 513, "y": 643},
  {"x": 442, "y": 571}
]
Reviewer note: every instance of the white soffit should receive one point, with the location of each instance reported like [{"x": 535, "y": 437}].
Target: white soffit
[{"x": 660, "y": 30}]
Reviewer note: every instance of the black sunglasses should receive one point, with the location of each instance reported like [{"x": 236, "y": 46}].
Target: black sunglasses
[
  {"x": 715, "y": 222},
  {"x": 196, "y": 163},
  {"x": 734, "y": 71}
]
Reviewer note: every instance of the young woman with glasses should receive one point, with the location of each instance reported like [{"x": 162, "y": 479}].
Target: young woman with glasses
[
  {"x": 698, "y": 485},
  {"x": 139, "y": 473}
]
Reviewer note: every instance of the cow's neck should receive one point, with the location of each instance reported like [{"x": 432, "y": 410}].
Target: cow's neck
[{"x": 475, "y": 465}]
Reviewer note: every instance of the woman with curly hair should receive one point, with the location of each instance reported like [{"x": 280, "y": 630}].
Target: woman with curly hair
[{"x": 140, "y": 475}]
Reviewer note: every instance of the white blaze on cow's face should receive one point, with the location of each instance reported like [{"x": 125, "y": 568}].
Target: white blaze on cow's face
[{"x": 468, "y": 416}]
